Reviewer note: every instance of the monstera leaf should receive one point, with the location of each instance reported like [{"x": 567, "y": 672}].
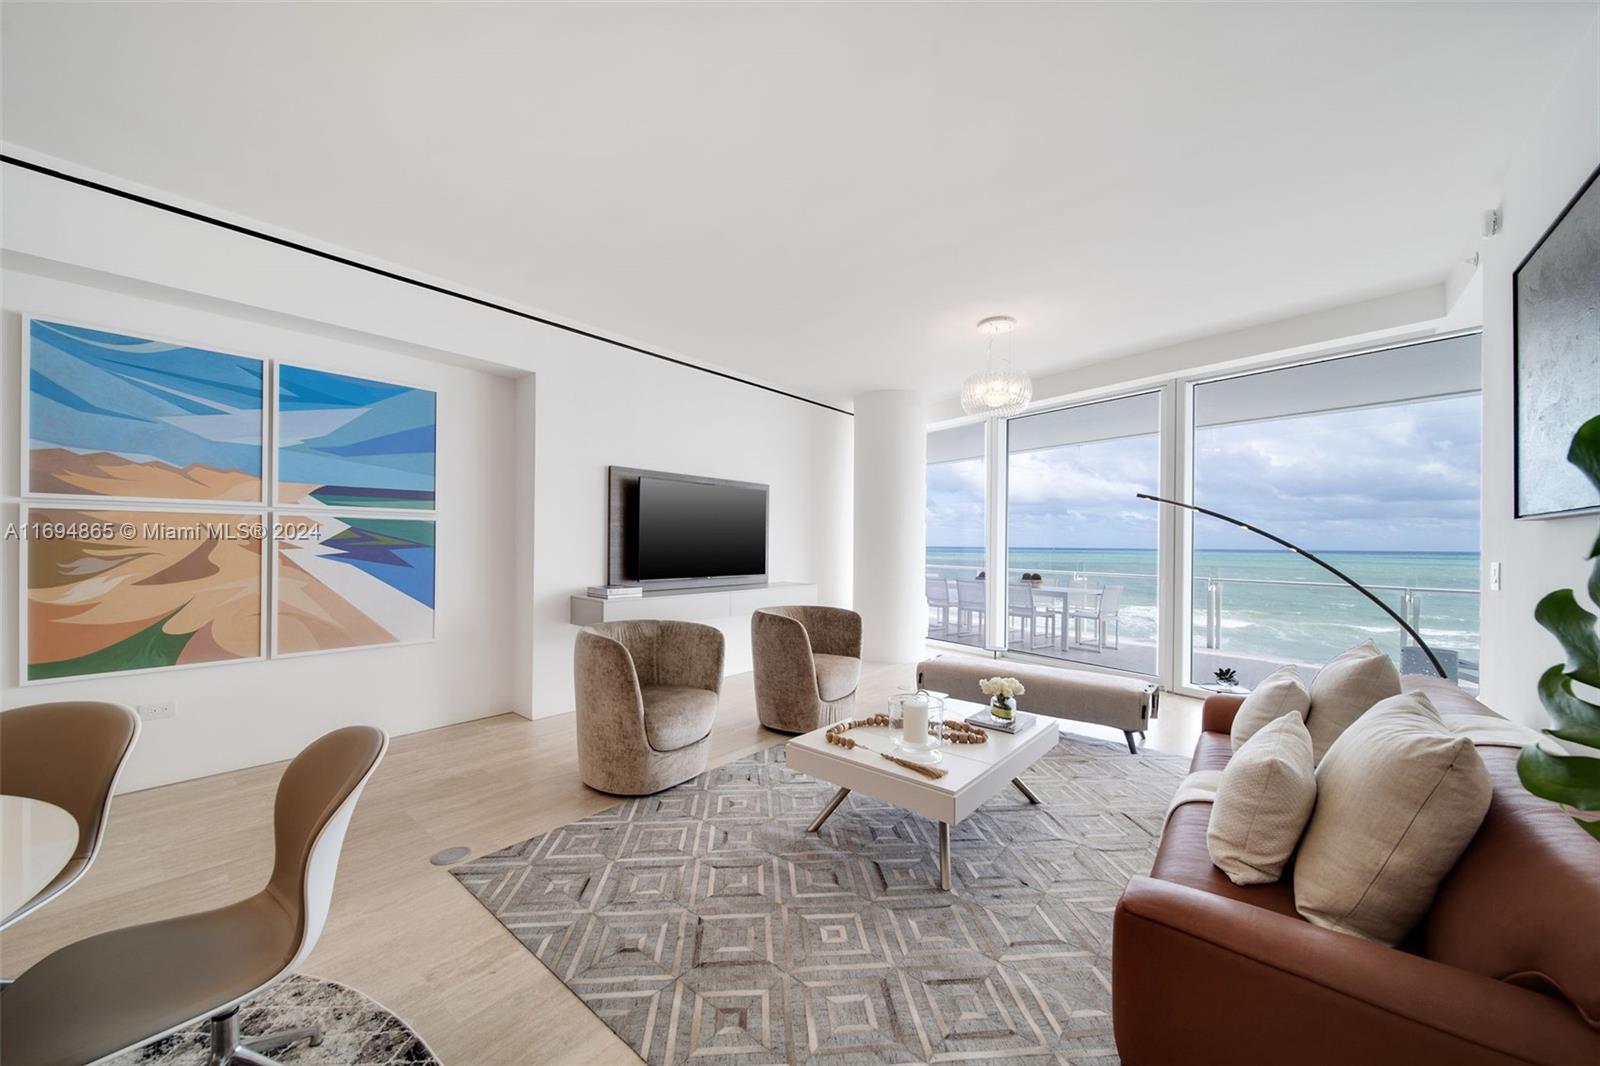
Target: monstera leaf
[{"x": 1571, "y": 780}]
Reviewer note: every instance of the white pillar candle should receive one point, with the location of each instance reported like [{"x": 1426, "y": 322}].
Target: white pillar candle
[{"x": 916, "y": 720}]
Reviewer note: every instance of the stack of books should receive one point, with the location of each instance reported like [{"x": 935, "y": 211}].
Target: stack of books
[
  {"x": 1017, "y": 721},
  {"x": 614, "y": 592}
]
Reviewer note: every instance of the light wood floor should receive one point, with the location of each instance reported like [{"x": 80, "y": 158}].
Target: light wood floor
[{"x": 401, "y": 929}]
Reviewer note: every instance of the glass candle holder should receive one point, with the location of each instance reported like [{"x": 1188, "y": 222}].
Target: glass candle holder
[
  {"x": 897, "y": 717},
  {"x": 921, "y": 718},
  {"x": 914, "y": 714}
]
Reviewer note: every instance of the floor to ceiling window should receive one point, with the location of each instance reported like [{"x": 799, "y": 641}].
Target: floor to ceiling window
[
  {"x": 1372, "y": 463},
  {"x": 1368, "y": 460},
  {"x": 957, "y": 483},
  {"x": 1082, "y": 550}
]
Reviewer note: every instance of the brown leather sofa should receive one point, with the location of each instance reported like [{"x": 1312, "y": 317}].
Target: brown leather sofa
[{"x": 1504, "y": 968}]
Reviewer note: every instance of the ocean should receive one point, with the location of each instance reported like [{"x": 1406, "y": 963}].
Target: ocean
[{"x": 1270, "y": 604}]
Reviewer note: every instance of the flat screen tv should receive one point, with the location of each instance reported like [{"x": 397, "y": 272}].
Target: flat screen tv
[{"x": 698, "y": 529}]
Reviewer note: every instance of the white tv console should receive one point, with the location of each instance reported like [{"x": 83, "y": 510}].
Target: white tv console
[
  {"x": 728, "y": 608},
  {"x": 713, "y": 605}
]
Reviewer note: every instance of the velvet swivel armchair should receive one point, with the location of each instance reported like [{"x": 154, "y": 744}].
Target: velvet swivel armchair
[
  {"x": 807, "y": 665},
  {"x": 647, "y": 699}
]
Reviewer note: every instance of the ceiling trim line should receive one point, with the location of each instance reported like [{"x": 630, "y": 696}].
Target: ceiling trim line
[{"x": 356, "y": 264}]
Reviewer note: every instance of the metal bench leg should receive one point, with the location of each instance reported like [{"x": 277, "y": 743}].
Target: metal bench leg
[
  {"x": 833, "y": 805},
  {"x": 1132, "y": 748},
  {"x": 1025, "y": 790}
]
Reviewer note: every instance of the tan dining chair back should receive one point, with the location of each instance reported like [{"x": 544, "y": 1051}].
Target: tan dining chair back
[
  {"x": 70, "y": 754},
  {"x": 118, "y": 990}
]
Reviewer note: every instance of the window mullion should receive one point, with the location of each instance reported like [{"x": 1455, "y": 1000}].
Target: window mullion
[{"x": 996, "y": 510}]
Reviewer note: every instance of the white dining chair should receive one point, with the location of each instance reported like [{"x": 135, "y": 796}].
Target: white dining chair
[
  {"x": 1022, "y": 608},
  {"x": 1083, "y": 605},
  {"x": 971, "y": 604},
  {"x": 1099, "y": 607},
  {"x": 939, "y": 605}
]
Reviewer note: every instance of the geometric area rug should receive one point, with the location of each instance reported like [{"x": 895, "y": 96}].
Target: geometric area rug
[{"x": 704, "y": 924}]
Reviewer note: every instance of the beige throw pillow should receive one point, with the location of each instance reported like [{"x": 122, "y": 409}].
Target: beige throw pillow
[
  {"x": 1345, "y": 689},
  {"x": 1399, "y": 798},
  {"x": 1263, "y": 802},
  {"x": 1281, "y": 693}
]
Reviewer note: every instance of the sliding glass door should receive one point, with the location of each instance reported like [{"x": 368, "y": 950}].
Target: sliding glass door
[
  {"x": 1083, "y": 555},
  {"x": 1372, "y": 463}
]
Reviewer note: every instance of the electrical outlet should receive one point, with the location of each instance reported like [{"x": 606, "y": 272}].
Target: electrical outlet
[{"x": 151, "y": 712}]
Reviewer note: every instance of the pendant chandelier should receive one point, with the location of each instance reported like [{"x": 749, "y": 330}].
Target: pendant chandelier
[{"x": 999, "y": 390}]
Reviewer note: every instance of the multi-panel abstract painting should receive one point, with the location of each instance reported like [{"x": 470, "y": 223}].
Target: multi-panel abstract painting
[
  {"x": 147, "y": 512},
  {"x": 353, "y": 442},
  {"x": 135, "y": 419},
  {"x": 356, "y": 581}
]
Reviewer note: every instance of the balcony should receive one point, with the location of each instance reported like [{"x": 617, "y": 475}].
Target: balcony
[{"x": 1249, "y": 625}]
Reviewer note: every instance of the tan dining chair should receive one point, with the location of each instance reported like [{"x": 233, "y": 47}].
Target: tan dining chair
[
  {"x": 118, "y": 990},
  {"x": 69, "y": 754}
]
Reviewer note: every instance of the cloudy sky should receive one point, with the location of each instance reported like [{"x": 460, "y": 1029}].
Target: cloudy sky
[{"x": 1399, "y": 478}]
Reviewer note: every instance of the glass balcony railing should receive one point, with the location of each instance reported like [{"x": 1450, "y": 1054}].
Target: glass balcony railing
[
  {"x": 1253, "y": 626},
  {"x": 1249, "y": 625}
]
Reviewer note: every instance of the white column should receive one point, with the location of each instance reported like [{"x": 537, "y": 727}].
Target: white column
[{"x": 891, "y": 455}]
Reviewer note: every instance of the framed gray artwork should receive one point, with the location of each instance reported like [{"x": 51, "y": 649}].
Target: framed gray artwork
[{"x": 1555, "y": 312}]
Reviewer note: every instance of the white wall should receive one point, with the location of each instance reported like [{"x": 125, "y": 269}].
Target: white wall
[
  {"x": 533, "y": 453},
  {"x": 1561, "y": 150},
  {"x": 241, "y": 714},
  {"x": 601, "y": 406}
]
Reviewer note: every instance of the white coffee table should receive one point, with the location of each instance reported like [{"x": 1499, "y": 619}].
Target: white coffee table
[{"x": 977, "y": 772}]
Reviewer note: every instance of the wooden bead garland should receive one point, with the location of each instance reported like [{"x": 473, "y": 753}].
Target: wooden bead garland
[
  {"x": 836, "y": 733},
  {"x": 955, "y": 732},
  {"x": 963, "y": 733}
]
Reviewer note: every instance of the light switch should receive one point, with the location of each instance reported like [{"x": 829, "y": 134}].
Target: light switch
[{"x": 1494, "y": 577}]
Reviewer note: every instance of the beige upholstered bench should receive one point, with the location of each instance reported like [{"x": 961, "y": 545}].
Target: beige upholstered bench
[{"x": 1076, "y": 695}]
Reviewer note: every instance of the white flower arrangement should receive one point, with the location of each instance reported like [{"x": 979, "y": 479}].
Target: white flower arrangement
[{"x": 1009, "y": 687}]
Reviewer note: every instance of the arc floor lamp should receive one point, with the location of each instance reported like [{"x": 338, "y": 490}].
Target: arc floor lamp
[{"x": 1329, "y": 567}]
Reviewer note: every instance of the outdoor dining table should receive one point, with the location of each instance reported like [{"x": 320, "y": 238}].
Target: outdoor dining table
[{"x": 1079, "y": 597}]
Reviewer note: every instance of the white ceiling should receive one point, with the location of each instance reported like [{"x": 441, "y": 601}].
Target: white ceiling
[{"x": 826, "y": 197}]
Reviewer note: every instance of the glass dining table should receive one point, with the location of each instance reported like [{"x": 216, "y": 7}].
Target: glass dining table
[{"x": 37, "y": 840}]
